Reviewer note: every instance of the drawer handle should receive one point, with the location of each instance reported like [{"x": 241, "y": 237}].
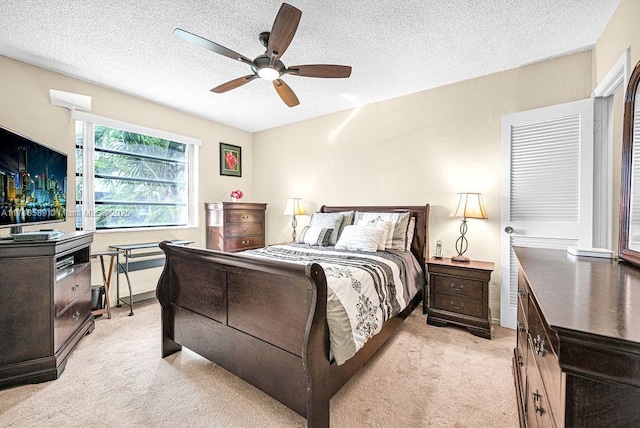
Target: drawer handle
[
  {"x": 245, "y": 230},
  {"x": 245, "y": 242},
  {"x": 461, "y": 305},
  {"x": 536, "y": 398},
  {"x": 76, "y": 316},
  {"x": 521, "y": 327},
  {"x": 245, "y": 217},
  {"x": 538, "y": 346},
  {"x": 457, "y": 288},
  {"x": 75, "y": 287}
]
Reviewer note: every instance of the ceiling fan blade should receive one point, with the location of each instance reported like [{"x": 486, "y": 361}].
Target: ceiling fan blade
[
  {"x": 208, "y": 44},
  {"x": 285, "y": 93},
  {"x": 284, "y": 27},
  {"x": 235, "y": 83},
  {"x": 320, "y": 70}
]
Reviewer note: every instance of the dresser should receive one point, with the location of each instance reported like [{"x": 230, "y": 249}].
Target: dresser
[
  {"x": 235, "y": 226},
  {"x": 45, "y": 306},
  {"x": 577, "y": 355},
  {"x": 458, "y": 294}
]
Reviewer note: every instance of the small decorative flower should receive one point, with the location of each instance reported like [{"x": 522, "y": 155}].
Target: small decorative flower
[{"x": 237, "y": 194}]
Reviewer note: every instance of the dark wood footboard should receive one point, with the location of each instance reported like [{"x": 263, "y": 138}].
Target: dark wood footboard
[{"x": 263, "y": 321}]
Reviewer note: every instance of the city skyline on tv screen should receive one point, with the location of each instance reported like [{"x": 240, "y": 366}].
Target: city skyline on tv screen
[{"x": 33, "y": 181}]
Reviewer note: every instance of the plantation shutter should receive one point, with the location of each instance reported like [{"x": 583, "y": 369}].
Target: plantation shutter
[{"x": 547, "y": 186}]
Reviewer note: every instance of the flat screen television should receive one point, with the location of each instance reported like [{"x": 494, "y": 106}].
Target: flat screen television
[{"x": 33, "y": 182}]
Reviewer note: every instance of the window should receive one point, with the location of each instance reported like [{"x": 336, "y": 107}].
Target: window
[{"x": 132, "y": 177}]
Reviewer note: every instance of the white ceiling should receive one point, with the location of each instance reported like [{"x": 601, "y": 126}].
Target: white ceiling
[{"x": 395, "y": 47}]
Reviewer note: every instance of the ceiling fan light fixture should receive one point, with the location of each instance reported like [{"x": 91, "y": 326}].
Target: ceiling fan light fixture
[
  {"x": 268, "y": 66},
  {"x": 268, "y": 73}
]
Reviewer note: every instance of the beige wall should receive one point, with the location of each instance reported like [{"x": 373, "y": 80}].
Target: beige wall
[
  {"x": 25, "y": 108},
  {"x": 621, "y": 33},
  {"x": 417, "y": 149}
]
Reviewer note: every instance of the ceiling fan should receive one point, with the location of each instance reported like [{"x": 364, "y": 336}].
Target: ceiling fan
[{"x": 268, "y": 65}]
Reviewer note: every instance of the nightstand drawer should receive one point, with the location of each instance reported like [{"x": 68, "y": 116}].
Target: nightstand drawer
[
  {"x": 458, "y": 286},
  {"x": 460, "y": 305},
  {"x": 459, "y": 294},
  {"x": 244, "y": 216}
]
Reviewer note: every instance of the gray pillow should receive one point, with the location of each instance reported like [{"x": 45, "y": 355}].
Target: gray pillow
[
  {"x": 346, "y": 221},
  {"x": 315, "y": 235},
  {"x": 328, "y": 221}
]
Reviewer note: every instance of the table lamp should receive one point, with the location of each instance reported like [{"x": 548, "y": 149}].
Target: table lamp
[
  {"x": 468, "y": 205},
  {"x": 294, "y": 207}
]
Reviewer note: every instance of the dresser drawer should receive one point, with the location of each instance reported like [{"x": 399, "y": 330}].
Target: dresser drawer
[
  {"x": 458, "y": 304},
  {"x": 544, "y": 352},
  {"x": 458, "y": 286},
  {"x": 523, "y": 293},
  {"x": 539, "y": 411},
  {"x": 243, "y": 229},
  {"x": 243, "y": 243},
  {"x": 522, "y": 329},
  {"x": 244, "y": 216},
  {"x": 71, "y": 319},
  {"x": 70, "y": 287}
]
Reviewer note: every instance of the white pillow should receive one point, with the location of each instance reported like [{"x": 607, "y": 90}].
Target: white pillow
[
  {"x": 363, "y": 238},
  {"x": 386, "y": 227},
  {"x": 397, "y": 237}
]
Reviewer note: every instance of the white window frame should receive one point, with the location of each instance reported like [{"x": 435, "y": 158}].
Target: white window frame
[{"x": 89, "y": 121}]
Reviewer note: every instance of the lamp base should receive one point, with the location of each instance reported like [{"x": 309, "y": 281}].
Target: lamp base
[{"x": 460, "y": 258}]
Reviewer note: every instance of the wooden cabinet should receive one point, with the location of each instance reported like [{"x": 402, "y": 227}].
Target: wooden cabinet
[
  {"x": 459, "y": 294},
  {"x": 577, "y": 356},
  {"x": 235, "y": 226},
  {"x": 45, "y": 306}
]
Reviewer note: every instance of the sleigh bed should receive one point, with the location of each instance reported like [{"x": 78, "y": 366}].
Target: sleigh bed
[{"x": 266, "y": 320}]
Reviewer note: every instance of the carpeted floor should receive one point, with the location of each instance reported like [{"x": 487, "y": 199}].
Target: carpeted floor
[{"x": 424, "y": 376}]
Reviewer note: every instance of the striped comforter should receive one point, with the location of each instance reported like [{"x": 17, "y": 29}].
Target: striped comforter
[{"x": 363, "y": 289}]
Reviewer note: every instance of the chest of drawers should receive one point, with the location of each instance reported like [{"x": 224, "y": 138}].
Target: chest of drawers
[
  {"x": 235, "y": 226},
  {"x": 459, "y": 294},
  {"x": 577, "y": 355}
]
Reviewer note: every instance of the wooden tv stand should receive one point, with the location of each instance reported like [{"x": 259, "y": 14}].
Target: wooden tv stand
[{"x": 44, "y": 311}]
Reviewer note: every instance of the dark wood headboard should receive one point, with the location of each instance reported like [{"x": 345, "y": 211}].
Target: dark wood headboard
[{"x": 420, "y": 244}]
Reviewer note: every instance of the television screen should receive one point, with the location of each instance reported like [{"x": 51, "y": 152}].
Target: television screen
[{"x": 33, "y": 182}]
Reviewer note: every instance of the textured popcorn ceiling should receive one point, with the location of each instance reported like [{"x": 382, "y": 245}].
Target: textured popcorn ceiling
[{"x": 395, "y": 47}]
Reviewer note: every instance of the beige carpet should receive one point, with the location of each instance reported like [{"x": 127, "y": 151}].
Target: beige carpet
[{"x": 424, "y": 376}]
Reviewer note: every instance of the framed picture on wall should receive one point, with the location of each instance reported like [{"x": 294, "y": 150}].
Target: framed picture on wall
[{"x": 230, "y": 160}]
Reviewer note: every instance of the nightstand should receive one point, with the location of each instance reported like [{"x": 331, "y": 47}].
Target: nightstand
[{"x": 458, "y": 293}]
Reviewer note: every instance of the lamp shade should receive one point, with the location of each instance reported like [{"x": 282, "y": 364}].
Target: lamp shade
[
  {"x": 469, "y": 205},
  {"x": 294, "y": 207}
]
